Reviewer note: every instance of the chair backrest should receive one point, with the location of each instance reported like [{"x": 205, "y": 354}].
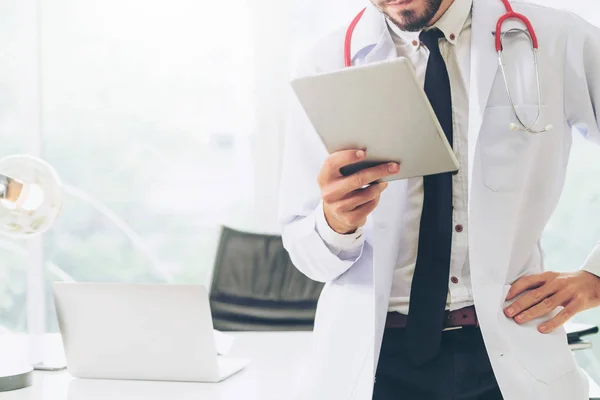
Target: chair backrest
[{"x": 255, "y": 286}]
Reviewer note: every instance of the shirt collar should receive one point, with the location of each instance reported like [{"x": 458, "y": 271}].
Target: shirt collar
[{"x": 451, "y": 23}]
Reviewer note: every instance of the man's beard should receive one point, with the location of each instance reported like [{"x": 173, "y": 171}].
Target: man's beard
[{"x": 411, "y": 21}]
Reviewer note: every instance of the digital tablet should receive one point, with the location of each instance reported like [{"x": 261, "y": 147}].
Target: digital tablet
[{"x": 381, "y": 108}]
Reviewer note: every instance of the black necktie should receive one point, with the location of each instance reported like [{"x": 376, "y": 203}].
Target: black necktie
[{"x": 429, "y": 288}]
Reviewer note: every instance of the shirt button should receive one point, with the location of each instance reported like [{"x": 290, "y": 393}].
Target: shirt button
[
  {"x": 415, "y": 43},
  {"x": 459, "y": 228},
  {"x": 454, "y": 280},
  {"x": 452, "y": 36}
]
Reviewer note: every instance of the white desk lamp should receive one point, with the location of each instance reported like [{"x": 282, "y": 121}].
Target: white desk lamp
[{"x": 30, "y": 201}]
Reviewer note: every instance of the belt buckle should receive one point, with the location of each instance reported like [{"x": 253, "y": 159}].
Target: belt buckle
[{"x": 452, "y": 328}]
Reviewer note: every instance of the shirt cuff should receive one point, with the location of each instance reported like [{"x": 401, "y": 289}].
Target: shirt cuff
[
  {"x": 335, "y": 241},
  {"x": 592, "y": 264}
]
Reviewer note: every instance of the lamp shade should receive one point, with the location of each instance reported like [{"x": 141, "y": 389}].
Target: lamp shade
[{"x": 30, "y": 196}]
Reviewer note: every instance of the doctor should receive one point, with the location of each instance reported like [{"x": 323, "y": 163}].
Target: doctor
[{"x": 463, "y": 251}]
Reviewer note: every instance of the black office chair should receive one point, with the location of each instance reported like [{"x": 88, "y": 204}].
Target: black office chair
[{"x": 255, "y": 286}]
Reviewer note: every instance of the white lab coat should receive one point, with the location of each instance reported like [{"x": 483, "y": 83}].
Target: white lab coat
[{"x": 515, "y": 182}]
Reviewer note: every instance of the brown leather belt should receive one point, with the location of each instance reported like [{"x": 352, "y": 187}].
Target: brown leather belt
[{"x": 452, "y": 320}]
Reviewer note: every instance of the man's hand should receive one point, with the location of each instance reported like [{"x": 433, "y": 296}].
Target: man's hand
[
  {"x": 576, "y": 292},
  {"x": 348, "y": 201}
]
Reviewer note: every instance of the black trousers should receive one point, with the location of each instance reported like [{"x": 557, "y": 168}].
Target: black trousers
[{"x": 461, "y": 371}]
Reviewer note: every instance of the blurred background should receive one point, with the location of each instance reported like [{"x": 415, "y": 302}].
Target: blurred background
[{"x": 164, "y": 120}]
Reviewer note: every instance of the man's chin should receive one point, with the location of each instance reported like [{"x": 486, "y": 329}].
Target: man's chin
[{"x": 408, "y": 23}]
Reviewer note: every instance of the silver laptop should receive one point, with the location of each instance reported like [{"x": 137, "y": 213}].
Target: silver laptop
[{"x": 140, "y": 332}]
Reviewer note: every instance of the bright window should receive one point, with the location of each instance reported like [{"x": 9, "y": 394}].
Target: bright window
[{"x": 146, "y": 115}]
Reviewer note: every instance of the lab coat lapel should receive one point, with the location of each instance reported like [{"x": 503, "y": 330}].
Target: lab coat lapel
[
  {"x": 492, "y": 215},
  {"x": 484, "y": 67},
  {"x": 371, "y": 40},
  {"x": 387, "y": 233},
  {"x": 374, "y": 36}
]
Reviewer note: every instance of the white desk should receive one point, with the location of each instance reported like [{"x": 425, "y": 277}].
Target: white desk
[{"x": 277, "y": 359}]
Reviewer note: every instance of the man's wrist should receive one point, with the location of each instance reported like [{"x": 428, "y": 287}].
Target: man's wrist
[
  {"x": 341, "y": 242},
  {"x": 340, "y": 230}
]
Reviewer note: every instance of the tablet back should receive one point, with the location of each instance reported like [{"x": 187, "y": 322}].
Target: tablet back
[{"x": 382, "y": 108}]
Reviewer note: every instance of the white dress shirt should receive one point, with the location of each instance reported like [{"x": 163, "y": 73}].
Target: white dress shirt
[{"x": 456, "y": 27}]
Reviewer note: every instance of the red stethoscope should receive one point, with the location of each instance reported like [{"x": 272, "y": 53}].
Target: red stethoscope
[{"x": 521, "y": 125}]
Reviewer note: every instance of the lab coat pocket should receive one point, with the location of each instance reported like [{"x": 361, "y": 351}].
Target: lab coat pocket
[
  {"x": 546, "y": 357},
  {"x": 505, "y": 153}
]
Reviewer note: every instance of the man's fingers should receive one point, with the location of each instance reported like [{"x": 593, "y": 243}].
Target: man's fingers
[
  {"x": 531, "y": 299},
  {"x": 349, "y": 200},
  {"x": 526, "y": 283},
  {"x": 342, "y": 188},
  {"x": 561, "y": 318},
  {"x": 338, "y": 160},
  {"x": 544, "y": 307},
  {"x": 358, "y": 216},
  {"x": 360, "y": 197},
  {"x": 335, "y": 192},
  {"x": 368, "y": 176}
]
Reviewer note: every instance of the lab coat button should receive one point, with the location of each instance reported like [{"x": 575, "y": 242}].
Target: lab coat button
[
  {"x": 459, "y": 228},
  {"x": 502, "y": 354}
]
